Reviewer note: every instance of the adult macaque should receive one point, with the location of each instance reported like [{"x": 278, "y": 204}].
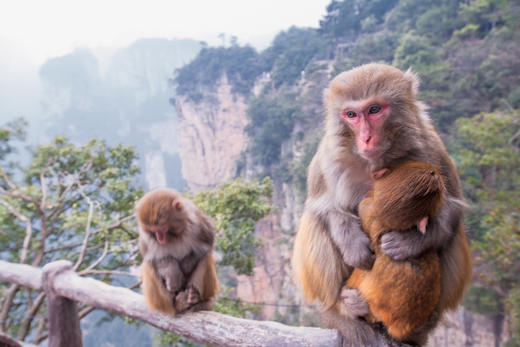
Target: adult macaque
[
  {"x": 374, "y": 122},
  {"x": 176, "y": 241},
  {"x": 401, "y": 294}
]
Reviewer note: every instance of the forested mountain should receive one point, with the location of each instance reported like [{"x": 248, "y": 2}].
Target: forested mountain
[{"x": 467, "y": 56}]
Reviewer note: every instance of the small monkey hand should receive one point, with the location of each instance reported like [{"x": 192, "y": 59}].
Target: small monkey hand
[
  {"x": 353, "y": 243},
  {"x": 352, "y": 303},
  {"x": 401, "y": 245},
  {"x": 359, "y": 252}
]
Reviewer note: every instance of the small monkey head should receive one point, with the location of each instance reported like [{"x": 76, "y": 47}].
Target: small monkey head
[
  {"x": 405, "y": 195},
  {"x": 161, "y": 214},
  {"x": 374, "y": 106}
]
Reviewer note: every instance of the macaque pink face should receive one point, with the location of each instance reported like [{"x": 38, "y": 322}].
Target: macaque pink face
[{"x": 366, "y": 119}]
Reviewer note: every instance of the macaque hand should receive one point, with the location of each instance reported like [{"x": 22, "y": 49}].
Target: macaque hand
[
  {"x": 401, "y": 245},
  {"x": 358, "y": 251},
  {"x": 187, "y": 298},
  {"x": 352, "y": 303}
]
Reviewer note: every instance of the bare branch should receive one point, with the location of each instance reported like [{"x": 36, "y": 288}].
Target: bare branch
[
  {"x": 43, "y": 184},
  {"x": 17, "y": 193},
  {"x": 42, "y": 320},
  {"x": 98, "y": 261},
  {"x": 107, "y": 272},
  {"x": 85, "y": 311},
  {"x": 116, "y": 225},
  {"x": 7, "y": 304},
  {"x": 30, "y": 315},
  {"x": 87, "y": 228},
  {"x": 62, "y": 248}
]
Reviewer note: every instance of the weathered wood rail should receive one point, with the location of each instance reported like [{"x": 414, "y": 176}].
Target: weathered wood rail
[{"x": 64, "y": 288}]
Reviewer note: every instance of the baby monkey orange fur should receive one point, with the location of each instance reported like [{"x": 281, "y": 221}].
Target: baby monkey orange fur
[{"x": 401, "y": 294}]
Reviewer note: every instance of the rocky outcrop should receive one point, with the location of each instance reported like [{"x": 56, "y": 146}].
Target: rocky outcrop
[{"x": 211, "y": 136}]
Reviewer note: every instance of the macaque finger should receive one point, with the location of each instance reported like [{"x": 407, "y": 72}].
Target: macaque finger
[
  {"x": 421, "y": 226},
  {"x": 378, "y": 174}
]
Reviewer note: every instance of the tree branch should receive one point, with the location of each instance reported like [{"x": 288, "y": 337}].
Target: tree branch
[
  {"x": 28, "y": 229},
  {"x": 98, "y": 261},
  {"x": 29, "y": 316},
  {"x": 87, "y": 228}
]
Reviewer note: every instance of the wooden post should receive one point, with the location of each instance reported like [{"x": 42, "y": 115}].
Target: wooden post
[{"x": 64, "y": 328}]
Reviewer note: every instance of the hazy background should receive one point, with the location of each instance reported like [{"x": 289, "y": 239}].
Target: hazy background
[
  {"x": 101, "y": 69},
  {"x": 31, "y": 32}
]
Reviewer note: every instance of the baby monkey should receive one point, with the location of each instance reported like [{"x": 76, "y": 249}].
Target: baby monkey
[
  {"x": 176, "y": 241},
  {"x": 401, "y": 294}
]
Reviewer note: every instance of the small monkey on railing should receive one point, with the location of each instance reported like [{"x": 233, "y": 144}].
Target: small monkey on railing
[{"x": 176, "y": 241}]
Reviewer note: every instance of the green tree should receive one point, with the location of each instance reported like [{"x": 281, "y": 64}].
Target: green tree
[
  {"x": 489, "y": 162},
  {"x": 236, "y": 206},
  {"x": 272, "y": 118},
  {"x": 292, "y": 50},
  {"x": 240, "y": 64},
  {"x": 69, "y": 202}
]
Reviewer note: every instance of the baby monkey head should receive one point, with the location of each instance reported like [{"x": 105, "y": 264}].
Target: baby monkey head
[
  {"x": 162, "y": 214},
  {"x": 407, "y": 193}
]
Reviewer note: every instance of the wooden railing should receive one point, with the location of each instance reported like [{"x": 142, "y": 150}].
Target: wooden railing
[{"x": 64, "y": 288}]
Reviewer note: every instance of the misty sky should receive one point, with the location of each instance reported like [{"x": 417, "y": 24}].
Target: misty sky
[{"x": 32, "y": 31}]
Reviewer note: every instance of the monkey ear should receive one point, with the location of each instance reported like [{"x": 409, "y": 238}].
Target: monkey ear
[
  {"x": 177, "y": 205},
  {"x": 414, "y": 81}
]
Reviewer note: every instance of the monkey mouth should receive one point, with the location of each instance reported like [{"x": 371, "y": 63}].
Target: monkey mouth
[{"x": 160, "y": 235}]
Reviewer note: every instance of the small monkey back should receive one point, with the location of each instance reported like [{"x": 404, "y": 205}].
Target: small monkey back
[{"x": 407, "y": 193}]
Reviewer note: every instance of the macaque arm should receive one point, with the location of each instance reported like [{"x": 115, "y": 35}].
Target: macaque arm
[
  {"x": 142, "y": 247},
  {"x": 353, "y": 243},
  {"x": 401, "y": 245},
  {"x": 157, "y": 297},
  {"x": 316, "y": 262},
  {"x": 204, "y": 278},
  {"x": 170, "y": 273}
]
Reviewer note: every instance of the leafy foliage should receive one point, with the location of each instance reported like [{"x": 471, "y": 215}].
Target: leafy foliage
[
  {"x": 241, "y": 65},
  {"x": 489, "y": 162},
  {"x": 70, "y": 202},
  {"x": 272, "y": 119},
  {"x": 291, "y": 52},
  {"x": 236, "y": 206}
]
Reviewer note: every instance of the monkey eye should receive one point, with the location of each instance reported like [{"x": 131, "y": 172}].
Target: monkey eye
[
  {"x": 350, "y": 114},
  {"x": 374, "y": 109}
]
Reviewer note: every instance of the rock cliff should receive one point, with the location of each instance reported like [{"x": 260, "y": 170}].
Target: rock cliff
[{"x": 211, "y": 136}]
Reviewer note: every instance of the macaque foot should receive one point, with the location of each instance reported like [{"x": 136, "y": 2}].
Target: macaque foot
[
  {"x": 187, "y": 298},
  {"x": 352, "y": 303}
]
